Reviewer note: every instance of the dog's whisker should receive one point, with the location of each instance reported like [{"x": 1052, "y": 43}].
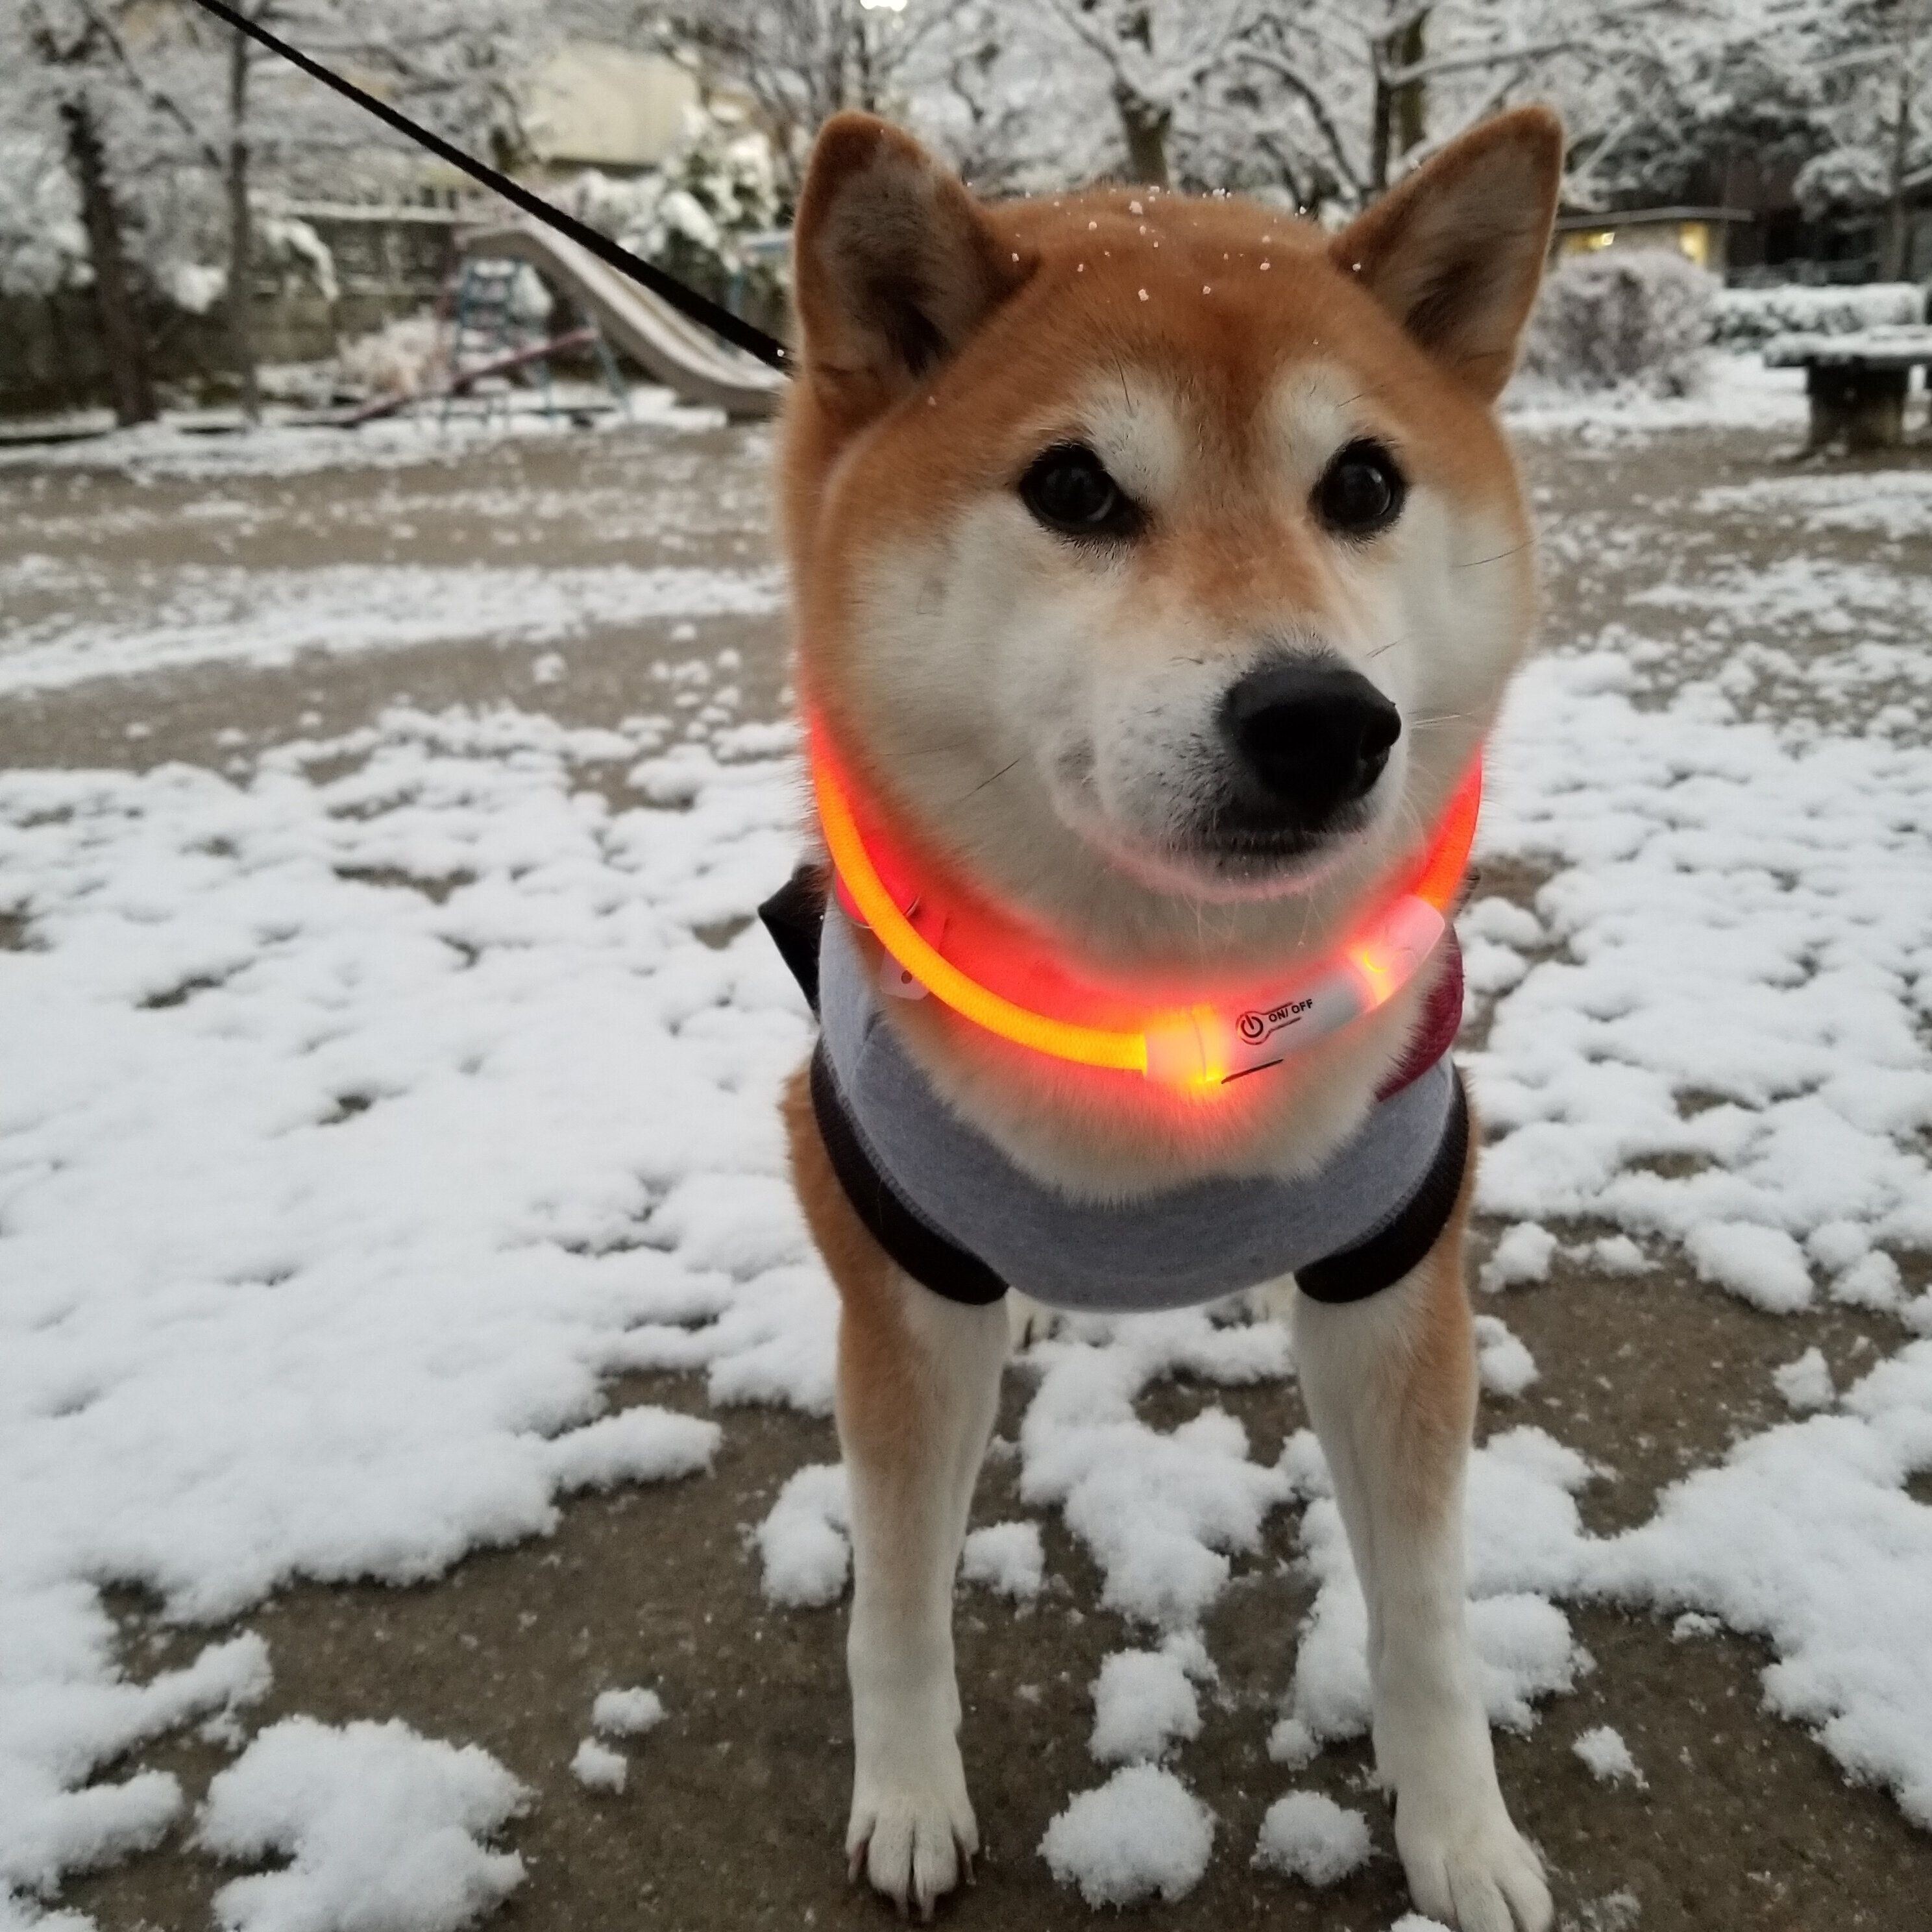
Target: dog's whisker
[
  {"x": 1477, "y": 563},
  {"x": 986, "y": 781}
]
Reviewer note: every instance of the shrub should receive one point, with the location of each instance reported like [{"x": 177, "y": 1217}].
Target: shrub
[
  {"x": 400, "y": 359},
  {"x": 1636, "y": 315},
  {"x": 1749, "y": 318},
  {"x": 694, "y": 212}
]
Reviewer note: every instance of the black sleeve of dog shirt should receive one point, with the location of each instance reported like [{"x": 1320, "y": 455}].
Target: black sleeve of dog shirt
[
  {"x": 925, "y": 1254},
  {"x": 794, "y": 915}
]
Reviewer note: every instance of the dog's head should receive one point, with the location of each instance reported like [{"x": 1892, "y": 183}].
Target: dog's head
[{"x": 1159, "y": 562}]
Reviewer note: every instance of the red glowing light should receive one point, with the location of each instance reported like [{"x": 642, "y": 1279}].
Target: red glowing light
[{"x": 1195, "y": 1049}]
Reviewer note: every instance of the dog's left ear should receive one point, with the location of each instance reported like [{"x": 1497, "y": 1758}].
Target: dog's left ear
[
  {"x": 894, "y": 264},
  {"x": 1456, "y": 252}
]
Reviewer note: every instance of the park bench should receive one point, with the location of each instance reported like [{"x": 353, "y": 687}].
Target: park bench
[{"x": 1857, "y": 383}]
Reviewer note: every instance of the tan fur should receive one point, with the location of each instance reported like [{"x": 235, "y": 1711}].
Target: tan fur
[{"x": 875, "y": 1368}]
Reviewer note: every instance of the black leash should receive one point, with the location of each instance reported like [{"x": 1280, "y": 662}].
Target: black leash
[{"x": 700, "y": 309}]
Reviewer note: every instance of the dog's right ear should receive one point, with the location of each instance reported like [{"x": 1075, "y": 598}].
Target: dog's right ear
[
  {"x": 894, "y": 264},
  {"x": 1456, "y": 251}
]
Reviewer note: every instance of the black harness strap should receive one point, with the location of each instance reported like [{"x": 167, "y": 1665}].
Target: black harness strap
[{"x": 794, "y": 915}]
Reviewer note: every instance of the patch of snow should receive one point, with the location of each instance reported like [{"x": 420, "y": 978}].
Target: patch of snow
[
  {"x": 803, "y": 1543},
  {"x": 382, "y": 1828},
  {"x": 636, "y": 1445},
  {"x": 597, "y": 1768},
  {"x": 331, "y": 1203},
  {"x": 1806, "y": 1384},
  {"x": 1159, "y": 1511},
  {"x": 1740, "y": 393},
  {"x": 1290, "y": 1742},
  {"x": 1522, "y": 1254},
  {"x": 180, "y": 447},
  {"x": 1763, "y": 1266},
  {"x": 1506, "y": 1367},
  {"x": 1609, "y": 1757},
  {"x": 626, "y": 1713},
  {"x": 1007, "y": 1558},
  {"x": 1143, "y": 1704},
  {"x": 1807, "y": 1537},
  {"x": 1617, "y": 1254},
  {"x": 1141, "y": 1834},
  {"x": 1489, "y": 968},
  {"x": 1889, "y": 503},
  {"x": 1500, "y": 920},
  {"x": 65, "y": 1709},
  {"x": 201, "y": 614},
  {"x": 1309, "y": 1837},
  {"x": 1741, "y": 921},
  {"x": 1872, "y": 1281},
  {"x": 1801, "y": 593}
]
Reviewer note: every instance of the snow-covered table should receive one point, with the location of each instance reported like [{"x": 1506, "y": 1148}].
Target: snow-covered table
[{"x": 1857, "y": 383}]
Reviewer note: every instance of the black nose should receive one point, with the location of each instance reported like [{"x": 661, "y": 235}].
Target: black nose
[{"x": 1308, "y": 739}]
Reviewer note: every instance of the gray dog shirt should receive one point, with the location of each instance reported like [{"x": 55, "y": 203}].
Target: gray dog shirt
[{"x": 959, "y": 1215}]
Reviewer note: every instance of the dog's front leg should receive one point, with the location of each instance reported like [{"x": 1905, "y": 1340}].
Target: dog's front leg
[
  {"x": 918, "y": 1388},
  {"x": 1390, "y": 1386},
  {"x": 919, "y": 1380}
]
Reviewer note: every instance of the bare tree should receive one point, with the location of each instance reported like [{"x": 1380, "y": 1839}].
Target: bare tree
[
  {"x": 802, "y": 61},
  {"x": 461, "y": 62},
  {"x": 1365, "y": 88},
  {"x": 240, "y": 55},
  {"x": 144, "y": 68},
  {"x": 1155, "y": 53},
  {"x": 1909, "y": 29},
  {"x": 71, "y": 56}
]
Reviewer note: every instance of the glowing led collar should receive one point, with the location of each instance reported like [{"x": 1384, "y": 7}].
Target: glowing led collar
[{"x": 1194, "y": 1047}]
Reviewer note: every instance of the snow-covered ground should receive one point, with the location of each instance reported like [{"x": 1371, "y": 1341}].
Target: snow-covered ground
[
  {"x": 367, "y": 1109},
  {"x": 206, "y": 445}
]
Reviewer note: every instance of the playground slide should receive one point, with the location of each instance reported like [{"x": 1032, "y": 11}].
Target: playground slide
[{"x": 680, "y": 354}]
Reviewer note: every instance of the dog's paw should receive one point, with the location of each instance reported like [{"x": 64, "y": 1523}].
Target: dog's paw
[
  {"x": 917, "y": 1843},
  {"x": 1028, "y": 1320},
  {"x": 1469, "y": 1867}
]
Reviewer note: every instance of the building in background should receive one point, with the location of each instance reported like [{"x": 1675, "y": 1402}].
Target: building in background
[
  {"x": 1702, "y": 234},
  {"x": 608, "y": 108}
]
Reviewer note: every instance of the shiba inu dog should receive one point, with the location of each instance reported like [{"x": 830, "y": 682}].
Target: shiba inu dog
[{"x": 1158, "y": 566}]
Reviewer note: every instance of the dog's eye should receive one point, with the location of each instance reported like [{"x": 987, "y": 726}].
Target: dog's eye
[
  {"x": 1068, "y": 489},
  {"x": 1361, "y": 491}
]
